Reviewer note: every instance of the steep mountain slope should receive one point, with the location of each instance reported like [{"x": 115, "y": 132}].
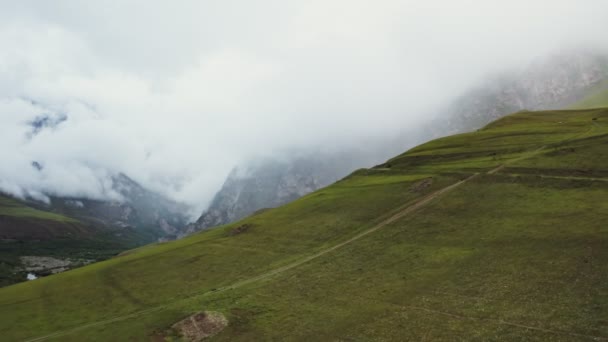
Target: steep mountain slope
[
  {"x": 597, "y": 99},
  {"x": 497, "y": 234},
  {"x": 67, "y": 232},
  {"x": 271, "y": 182},
  {"x": 152, "y": 215},
  {"x": 32, "y": 239},
  {"x": 550, "y": 83},
  {"x": 35, "y": 224}
]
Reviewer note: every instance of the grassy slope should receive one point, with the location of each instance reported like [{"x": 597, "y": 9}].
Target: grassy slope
[
  {"x": 521, "y": 253},
  {"x": 10, "y": 207},
  {"x": 597, "y": 99}
]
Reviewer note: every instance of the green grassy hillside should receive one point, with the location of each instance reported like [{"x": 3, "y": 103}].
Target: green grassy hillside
[{"x": 498, "y": 234}]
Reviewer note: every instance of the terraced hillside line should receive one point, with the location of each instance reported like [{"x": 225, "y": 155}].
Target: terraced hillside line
[
  {"x": 572, "y": 178},
  {"x": 520, "y": 158},
  {"x": 407, "y": 209}
]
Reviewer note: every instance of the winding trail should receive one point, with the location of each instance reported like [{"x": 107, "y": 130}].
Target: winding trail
[{"x": 404, "y": 210}]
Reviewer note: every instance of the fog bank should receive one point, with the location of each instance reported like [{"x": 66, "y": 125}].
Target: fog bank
[{"x": 176, "y": 94}]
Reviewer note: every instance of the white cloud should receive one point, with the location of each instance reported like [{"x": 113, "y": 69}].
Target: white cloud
[{"x": 175, "y": 94}]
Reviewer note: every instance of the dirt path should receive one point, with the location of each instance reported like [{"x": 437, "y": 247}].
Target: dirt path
[
  {"x": 520, "y": 158},
  {"x": 402, "y": 211},
  {"x": 574, "y": 178}
]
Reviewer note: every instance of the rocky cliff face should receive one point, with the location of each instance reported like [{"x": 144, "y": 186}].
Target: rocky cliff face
[
  {"x": 550, "y": 83},
  {"x": 270, "y": 183},
  {"x": 266, "y": 185}
]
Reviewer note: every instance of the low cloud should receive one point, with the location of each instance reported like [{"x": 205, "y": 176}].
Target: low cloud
[{"x": 175, "y": 95}]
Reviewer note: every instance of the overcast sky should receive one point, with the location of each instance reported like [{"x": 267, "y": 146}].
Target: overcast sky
[{"x": 175, "y": 93}]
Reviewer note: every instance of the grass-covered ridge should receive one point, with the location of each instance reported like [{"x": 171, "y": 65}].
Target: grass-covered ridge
[
  {"x": 11, "y": 207},
  {"x": 497, "y": 234}
]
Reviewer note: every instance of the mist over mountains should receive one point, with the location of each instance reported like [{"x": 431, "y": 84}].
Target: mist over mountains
[
  {"x": 550, "y": 83},
  {"x": 319, "y": 170},
  {"x": 177, "y": 104}
]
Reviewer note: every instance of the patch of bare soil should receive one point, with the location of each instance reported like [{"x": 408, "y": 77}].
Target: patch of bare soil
[
  {"x": 240, "y": 229},
  {"x": 200, "y": 326},
  {"x": 423, "y": 184}
]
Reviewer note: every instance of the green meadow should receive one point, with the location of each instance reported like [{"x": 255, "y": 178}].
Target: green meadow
[{"x": 498, "y": 234}]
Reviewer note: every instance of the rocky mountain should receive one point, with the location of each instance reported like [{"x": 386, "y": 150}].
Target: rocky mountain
[
  {"x": 271, "y": 182},
  {"x": 554, "y": 82},
  {"x": 152, "y": 215},
  {"x": 550, "y": 83}
]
